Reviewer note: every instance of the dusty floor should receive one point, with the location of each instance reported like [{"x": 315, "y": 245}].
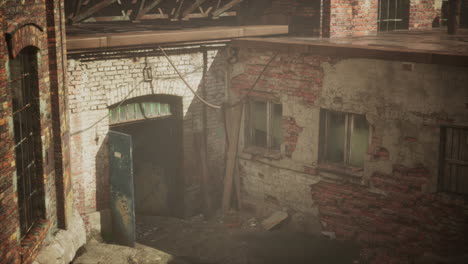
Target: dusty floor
[{"x": 238, "y": 239}]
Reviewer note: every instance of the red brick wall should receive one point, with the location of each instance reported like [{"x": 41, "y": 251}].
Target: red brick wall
[
  {"x": 398, "y": 226},
  {"x": 302, "y": 16},
  {"x": 393, "y": 211},
  {"x": 13, "y": 17},
  {"x": 421, "y": 14},
  {"x": 353, "y": 17}
]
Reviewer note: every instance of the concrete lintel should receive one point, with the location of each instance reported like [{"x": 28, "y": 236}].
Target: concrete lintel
[
  {"x": 290, "y": 45},
  {"x": 128, "y": 39}
]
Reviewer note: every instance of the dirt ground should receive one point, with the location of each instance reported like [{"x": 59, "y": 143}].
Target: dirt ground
[{"x": 236, "y": 239}]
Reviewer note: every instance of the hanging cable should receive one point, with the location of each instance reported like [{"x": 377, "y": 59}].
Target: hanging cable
[
  {"x": 186, "y": 83},
  {"x": 256, "y": 81}
]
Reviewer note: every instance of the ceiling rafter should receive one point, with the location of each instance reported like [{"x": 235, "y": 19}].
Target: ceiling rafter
[
  {"x": 144, "y": 10},
  {"x": 191, "y": 8},
  {"x": 218, "y": 12},
  {"x": 85, "y": 11},
  {"x": 92, "y": 10}
]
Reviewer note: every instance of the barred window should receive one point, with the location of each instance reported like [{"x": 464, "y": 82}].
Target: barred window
[
  {"x": 453, "y": 172},
  {"x": 27, "y": 131}
]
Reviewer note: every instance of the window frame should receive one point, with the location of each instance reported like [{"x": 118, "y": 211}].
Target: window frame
[
  {"x": 349, "y": 128},
  {"x": 27, "y": 137},
  {"x": 269, "y": 124},
  {"x": 445, "y": 159}
]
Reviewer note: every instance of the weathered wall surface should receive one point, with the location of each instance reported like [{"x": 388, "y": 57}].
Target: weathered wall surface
[
  {"x": 353, "y": 18},
  {"x": 358, "y": 18},
  {"x": 38, "y": 24},
  {"x": 405, "y": 105},
  {"x": 422, "y": 14},
  {"x": 97, "y": 83}
]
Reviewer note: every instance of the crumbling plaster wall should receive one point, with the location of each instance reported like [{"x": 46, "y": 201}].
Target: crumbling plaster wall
[
  {"x": 404, "y": 103},
  {"x": 99, "y": 83}
]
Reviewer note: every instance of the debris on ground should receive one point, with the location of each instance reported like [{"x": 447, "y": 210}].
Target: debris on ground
[
  {"x": 223, "y": 239},
  {"x": 274, "y": 220}
]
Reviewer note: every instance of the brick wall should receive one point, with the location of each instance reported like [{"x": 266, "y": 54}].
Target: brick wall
[
  {"x": 97, "y": 83},
  {"x": 15, "y": 21},
  {"x": 422, "y": 14},
  {"x": 394, "y": 211},
  {"x": 391, "y": 206},
  {"x": 353, "y": 17},
  {"x": 359, "y": 17}
]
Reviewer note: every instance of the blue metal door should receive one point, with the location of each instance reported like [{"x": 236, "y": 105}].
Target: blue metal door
[{"x": 122, "y": 189}]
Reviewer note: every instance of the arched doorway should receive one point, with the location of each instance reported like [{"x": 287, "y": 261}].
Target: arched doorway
[{"x": 154, "y": 124}]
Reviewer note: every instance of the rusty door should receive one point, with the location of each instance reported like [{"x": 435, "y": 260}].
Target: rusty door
[{"x": 122, "y": 190}]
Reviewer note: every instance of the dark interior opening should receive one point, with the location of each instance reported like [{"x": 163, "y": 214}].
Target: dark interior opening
[{"x": 157, "y": 160}]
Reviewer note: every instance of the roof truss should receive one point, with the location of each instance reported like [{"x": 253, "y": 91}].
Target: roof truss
[{"x": 139, "y": 10}]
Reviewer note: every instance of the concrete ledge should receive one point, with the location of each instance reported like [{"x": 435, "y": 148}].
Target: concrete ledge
[
  {"x": 141, "y": 38},
  {"x": 64, "y": 244}
]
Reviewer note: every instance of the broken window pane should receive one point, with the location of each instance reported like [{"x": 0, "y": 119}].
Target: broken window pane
[
  {"x": 343, "y": 138},
  {"x": 335, "y": 137},
  {"x": 258, "y": 117},
  {"x": 359, "y": 141},
  {"x": 277, "y": 126},
  {"x": 131, "y": 111}
]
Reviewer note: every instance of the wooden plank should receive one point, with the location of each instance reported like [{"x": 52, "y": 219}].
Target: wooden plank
[
  {"x": 154, "y": 16},
  {"x": 200, "y": 146},
  {"x": 226, "y": 7},
  {"x": 177, "y": 13},
  {"x": 140, "y": 10},
  {"x": 145, "y": 10},
  {"x": 192, "y": 7},
  {"x": 237, "y": 186},
  {"x": 233, "y": 123},
  {"x": 90, "y": 11}
]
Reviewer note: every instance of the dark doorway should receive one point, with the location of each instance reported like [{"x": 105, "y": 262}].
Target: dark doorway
[
  {"x": 464, "y": 14},
  {"x": 393, "y": 15},
  {"x": 156, "y": 134}
]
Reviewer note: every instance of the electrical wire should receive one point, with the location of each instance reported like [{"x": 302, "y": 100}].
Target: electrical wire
[
  {"x": 255, "y": 83},
  {"x": 186, "y": 83},
  {"x": 108, "y": 113}
]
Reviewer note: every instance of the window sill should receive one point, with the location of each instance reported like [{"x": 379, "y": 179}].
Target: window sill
[
  {"x": 30, "y": 244},
  {"x": 263, "y": 152},
  {"x": 341, "y": 170}
]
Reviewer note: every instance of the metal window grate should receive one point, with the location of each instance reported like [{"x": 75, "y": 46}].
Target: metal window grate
[
  {"x": 26, "y": 120},
  {"x": 453, "y": 172},
  {"x": 393, "y": 15}
]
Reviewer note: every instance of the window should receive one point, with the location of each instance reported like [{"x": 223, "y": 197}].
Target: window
[
  {"x": 28, "y": 146},
  {"x": 393, "y": 15},
  {"x": 264, "y": 127},
  {"x": 133, "y": 111},
  {"x": 453, "y": 168},
  {"x": 344, "y": 138}
]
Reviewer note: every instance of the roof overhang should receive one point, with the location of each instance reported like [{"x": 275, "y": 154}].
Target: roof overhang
[{"x": 163, "y": 37}]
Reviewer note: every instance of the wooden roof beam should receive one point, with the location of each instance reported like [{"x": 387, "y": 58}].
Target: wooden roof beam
[
  {"x": 90, "y": 11},
  {"x": 225, "y": 8},
  {"x": 191, "y": 8},
  {"x": 143, "y": 10}
]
